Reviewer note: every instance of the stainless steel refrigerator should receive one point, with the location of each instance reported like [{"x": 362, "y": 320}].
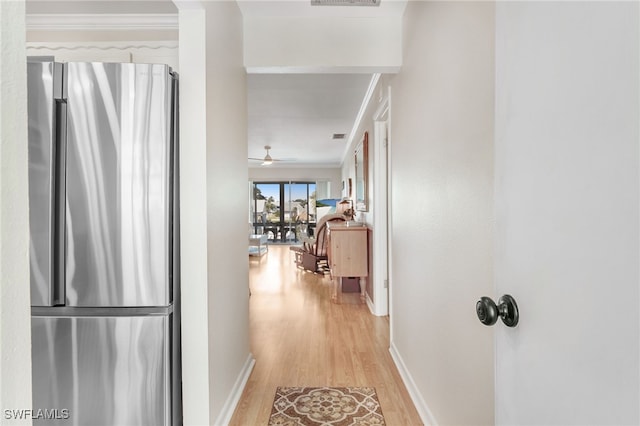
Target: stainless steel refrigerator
[{"x": 104, "y": 219}]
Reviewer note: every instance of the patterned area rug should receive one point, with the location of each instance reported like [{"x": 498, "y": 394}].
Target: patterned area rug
[{"x": 326, "y": 406}]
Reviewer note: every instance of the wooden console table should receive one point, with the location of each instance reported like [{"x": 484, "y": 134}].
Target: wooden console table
[{"x": 348, "y": 252}]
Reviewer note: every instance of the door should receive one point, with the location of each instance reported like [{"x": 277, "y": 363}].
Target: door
[
  {"x": 285, "y": 211},
  {"x": 567, "y": 212},
  {"x": 265, "y": 209},
  {"x": 118, "y": 185},
  {"x": 298, "y": 211}
]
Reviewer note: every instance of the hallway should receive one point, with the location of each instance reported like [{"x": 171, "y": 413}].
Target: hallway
[{"x": 299, "y": 338}]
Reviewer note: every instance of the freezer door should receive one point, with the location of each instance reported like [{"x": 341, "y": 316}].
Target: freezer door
[
  {"x": 118, "y": 227},
  {"x": 101, "y": 370},
  {"x": 44, "y": 86}
]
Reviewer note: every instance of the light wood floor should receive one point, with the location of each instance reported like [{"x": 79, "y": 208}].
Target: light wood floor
[{"x": 299, "y": 338}]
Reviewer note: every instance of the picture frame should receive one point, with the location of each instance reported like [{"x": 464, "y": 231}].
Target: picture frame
[{"x": 362, "y": 174}]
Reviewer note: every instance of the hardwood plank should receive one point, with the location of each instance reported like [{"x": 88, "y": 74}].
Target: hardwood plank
[{"x": 300, "y": 338}]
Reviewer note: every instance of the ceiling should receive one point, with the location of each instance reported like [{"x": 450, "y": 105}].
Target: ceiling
[
  {"x": 295, "y": 114},
  {"x": 298, "y": 114}
]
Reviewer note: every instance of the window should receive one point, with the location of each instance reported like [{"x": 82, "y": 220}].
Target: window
[{"x": 285, "y": 211}]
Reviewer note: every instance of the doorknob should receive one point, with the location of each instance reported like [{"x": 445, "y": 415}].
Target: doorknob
[{"x": 507, "y": 309}]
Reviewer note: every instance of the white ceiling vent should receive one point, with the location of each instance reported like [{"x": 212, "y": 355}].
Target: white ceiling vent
[
  {"x": 345, "y": 2},
  {"x": 338, "y": 136}
]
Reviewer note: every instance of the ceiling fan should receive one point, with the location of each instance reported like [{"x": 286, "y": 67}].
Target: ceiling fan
[{"x": 267, "y": 160}]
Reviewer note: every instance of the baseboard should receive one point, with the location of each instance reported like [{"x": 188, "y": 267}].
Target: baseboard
[
  {"x": 421, "y": 406},
  {"x": 370, "y": 304},
  {"x": 234, "y": 397},
  {"x": 375, "y": 311}
]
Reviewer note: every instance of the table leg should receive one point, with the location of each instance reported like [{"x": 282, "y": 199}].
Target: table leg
[
  {"x": 363, "y": 290},
  {"x": 335, "y": 281}
]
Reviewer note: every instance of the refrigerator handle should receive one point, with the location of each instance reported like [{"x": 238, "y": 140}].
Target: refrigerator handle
[{"x": 59, "y": 250}]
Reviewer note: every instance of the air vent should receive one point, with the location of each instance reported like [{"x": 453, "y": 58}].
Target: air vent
[
  {"x": 338, "y": 136},
  {"x": 345, "y": 2}
]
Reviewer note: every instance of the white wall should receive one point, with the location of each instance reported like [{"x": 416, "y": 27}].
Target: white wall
[
  {"x": 193, "y": 221},
  {"x": 281, "y": 174},
  {"x": 377, "y": 271},
  {"x": 227, "y": 151},
  {"x": 442, "y": 209},
  {"x": 214, "y": 181},
  {"x": 348, "y": 166},
  {"x": 15, "y": 313},
  {"x": 334, "y": 44}
]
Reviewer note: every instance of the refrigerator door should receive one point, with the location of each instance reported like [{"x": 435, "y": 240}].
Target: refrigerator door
[
  {"x": 44, "y": 90},
  {"x": 118, "y": 221},
  {"x": 101, "y": 370}
]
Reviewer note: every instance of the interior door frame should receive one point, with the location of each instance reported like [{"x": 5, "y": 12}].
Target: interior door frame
[{"x": 381, "y": 207}]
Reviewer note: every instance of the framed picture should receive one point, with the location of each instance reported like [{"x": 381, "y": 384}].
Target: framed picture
[{"x": 362, "y": 174}]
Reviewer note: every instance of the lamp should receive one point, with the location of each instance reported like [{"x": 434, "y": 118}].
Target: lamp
[{"x": 267, "y": 158}]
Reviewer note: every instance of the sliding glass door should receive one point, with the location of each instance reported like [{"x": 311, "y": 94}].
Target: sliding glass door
[
  {"x": 285, "y": 211},
  {"x": 265, "y": 209}
]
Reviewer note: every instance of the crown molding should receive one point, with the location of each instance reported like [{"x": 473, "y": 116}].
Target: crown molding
[
  {"x": 363, "y": 108},
  {"x": 101, "y": 45},
  {"x": 101, "y": 22}
]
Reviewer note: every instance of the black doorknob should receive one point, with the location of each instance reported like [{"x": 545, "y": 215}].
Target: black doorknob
[
  {"x": 507, "y": 309},
  {"x": 487, "y": 311}
]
